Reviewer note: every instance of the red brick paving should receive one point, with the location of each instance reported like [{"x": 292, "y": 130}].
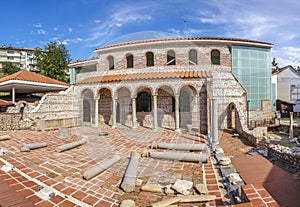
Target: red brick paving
[
  {"x": 64, "y": 170},
  {"x": 269, "y": 179}
]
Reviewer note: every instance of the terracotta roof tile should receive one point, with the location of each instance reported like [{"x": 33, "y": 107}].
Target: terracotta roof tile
[
  {"x": 186, "y": 38},
  {"x": 81, "y": 61},
  {"x": 25, "y": 75},
  {"x": 5, "y": 103},
  {"x": 145, "y": 76}
]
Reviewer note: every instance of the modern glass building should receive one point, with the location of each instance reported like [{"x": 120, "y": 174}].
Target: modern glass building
[{"x": 252, "y": 67}]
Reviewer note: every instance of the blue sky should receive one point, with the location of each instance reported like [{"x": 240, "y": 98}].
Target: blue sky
[{"x": 83, "y": 25}]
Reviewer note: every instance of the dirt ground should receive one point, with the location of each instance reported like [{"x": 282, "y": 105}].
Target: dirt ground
[{"x": 237, "y": 147}]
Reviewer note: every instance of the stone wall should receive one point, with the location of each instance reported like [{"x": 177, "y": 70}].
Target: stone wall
[
  {"x": 56, "y": 110},
  {"x": 285, "y": 155},
  {"x": 12, "y": 121}
]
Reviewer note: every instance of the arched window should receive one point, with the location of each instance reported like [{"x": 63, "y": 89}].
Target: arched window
[
  {"x": 111, "y": 63},
  {"x": 143, "y": 103},
  {"x": 193, "y": 57},
  {"x": 215, "y": 57},
  {"x": 184, "y": 102},
  {"x": 129, "y": 60},
  {"x": 171, "y": 60},
  {"x": 150, "y": 59}
]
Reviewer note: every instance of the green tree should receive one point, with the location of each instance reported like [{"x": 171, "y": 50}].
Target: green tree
[
  {"x": 9, "y": 68},
  {"x": 53, "y": 61}
]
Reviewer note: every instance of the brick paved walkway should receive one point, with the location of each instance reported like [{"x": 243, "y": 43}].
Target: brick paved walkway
[{"x": 63, "y": 171}]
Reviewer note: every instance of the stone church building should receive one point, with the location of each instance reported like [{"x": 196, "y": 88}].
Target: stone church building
[{"x": 170, "y": 83}]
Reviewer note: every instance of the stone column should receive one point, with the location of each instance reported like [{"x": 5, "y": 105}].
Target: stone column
[
  {"x": 291, "y": 132},
  {"x": 155, "y": 123},
  {"x": 114, "y": 113},
  {"x": 214, "y": 122},
  {"x": 96, "y": 112},
  {"x": 134, "y": 113},
  {"x": 13, "y": 93},
  {"x": 177, "y": 129}
]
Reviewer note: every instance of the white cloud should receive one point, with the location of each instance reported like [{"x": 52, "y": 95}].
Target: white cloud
[
  {"x": 274, "y": 22},
  {"x": 109, "y": 27},
  {"x": 55, "y": 28},
  {"x": 287, "y": 55},
  {"x": 38, "y": 25},
  {"x": 70, "y": 29},
  {"x": 67, "y": 41},
  {"x": 97, "y": 21},
  {"x": 41, "y": 32}
]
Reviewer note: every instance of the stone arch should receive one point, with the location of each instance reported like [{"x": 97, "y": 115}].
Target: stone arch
[
  {"x": 97, "y": 95},
  {"x": 124, "y": 105},
  {"x": 122, "y": 86},
  {"x": 165, "y": 85},
  {"x": 166, "y": 106},
  {"x": 88, "y": 106},
  {"x": 84, "y": 90},
  {"x": 188, "y": 106},
  {"x": 142, "y": 87},
  {"x": 105, "y": 105}
]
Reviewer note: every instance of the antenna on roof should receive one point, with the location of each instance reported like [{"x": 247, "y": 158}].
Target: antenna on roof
[{"x": 184, "y": 32}]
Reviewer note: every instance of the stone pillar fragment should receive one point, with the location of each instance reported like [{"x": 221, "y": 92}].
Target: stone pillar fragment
[
  {"x": 180, "y": 156},
  {"x": 129, "y": 179},
  {"x": 28, "y": 147},
  {"x": 71, "y": 145},
  {"x": 102, "y": 166}
]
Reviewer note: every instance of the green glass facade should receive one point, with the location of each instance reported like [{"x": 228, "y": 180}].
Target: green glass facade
[{"x": 252, "y": 68}]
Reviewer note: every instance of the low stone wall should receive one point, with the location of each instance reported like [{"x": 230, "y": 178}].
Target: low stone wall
[
  {"x": 47, "y": 124},
  {"x": 12, "y": 121},
  {"x": 283, "y": 154}
]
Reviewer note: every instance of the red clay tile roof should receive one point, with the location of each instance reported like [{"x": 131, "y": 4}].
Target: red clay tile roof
[
  {"x": 186, "y": 38},
  {"x": 25, "y": 75},
  {"x": 145, "y": 76},
  {"x": 5, "y": 103},
  {"x": 80, "y": 61}
]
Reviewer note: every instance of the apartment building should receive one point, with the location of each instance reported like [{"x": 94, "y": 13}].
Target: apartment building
[{"x": 22, "y": 57}]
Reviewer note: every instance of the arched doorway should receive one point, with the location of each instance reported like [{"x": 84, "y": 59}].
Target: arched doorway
[
  {"x": 187, "y": 107},
  {"x": 231, "y": 119},
  {"x": 124, "y": 108},
  {"x": 166, "y": 107},
  {"x": 105, "y": 106},
  {"x": 88, "y": 106},
  {"x": 144, "y": 108},
  {"x": 86, "y": 111}
]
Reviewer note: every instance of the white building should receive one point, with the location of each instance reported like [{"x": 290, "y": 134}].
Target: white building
[
  {"x": 22, "y": 57},
  {"x": 286, "y": 85}
]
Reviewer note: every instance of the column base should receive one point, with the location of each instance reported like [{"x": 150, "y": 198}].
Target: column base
[
  {"x": 134, "y": 127},
  {"x": 95, "y": 125},
  {"x": 113, "y": 127},
  {"x": 177, "y": 130}
]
